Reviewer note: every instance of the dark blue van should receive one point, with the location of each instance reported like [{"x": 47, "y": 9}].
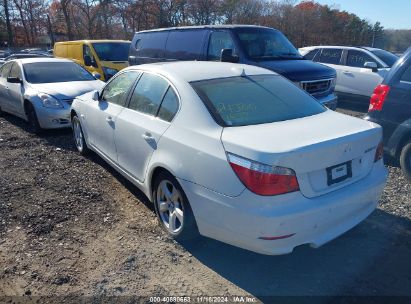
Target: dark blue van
[{"x": 254, "y": 45}]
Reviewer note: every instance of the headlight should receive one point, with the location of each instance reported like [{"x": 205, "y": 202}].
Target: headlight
[
  {"x": 49, "y": 101},
  {"x": 108, "y": 72}
]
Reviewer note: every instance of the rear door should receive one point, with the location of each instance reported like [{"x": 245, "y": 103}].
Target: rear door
[
  {"x": 185, "y": 45},
  {"x": 140, "y": 126},
  {"x": 355, "y": 79},
  {"x": 100, "y": 116},
  {"x": 149, "y": 47}
]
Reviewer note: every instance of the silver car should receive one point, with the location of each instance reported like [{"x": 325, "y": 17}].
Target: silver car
[{"x": 41, "y": 90}]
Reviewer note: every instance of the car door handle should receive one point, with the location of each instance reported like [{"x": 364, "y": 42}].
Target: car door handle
[
  {"x": 347, "y": 73},
  {"x": 147, "y": 136}
]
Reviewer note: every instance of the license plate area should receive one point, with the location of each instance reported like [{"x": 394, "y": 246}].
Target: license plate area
[{"x": 339, "y": 173}]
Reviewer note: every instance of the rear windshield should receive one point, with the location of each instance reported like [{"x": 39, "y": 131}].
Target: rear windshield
[
  {"x": 112, "y": 51},
  {"x": 251, "y": 100},
  {"x": 48, "y": 72},
  {"x": 387, "y": 57}
]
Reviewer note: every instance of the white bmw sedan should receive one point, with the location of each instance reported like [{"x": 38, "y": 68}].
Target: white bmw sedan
[{"x": 234, "y": 152}]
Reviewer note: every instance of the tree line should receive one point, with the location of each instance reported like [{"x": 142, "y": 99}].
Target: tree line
[{"x": 39, "y": 22}]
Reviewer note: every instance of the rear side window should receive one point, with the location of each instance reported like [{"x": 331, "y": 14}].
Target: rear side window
[
  {"x": 250, "y": 100},
  {"x": 148, "y": 94},
  {"x": 169, "y": 106},
  {"x": 185, "y": 44},
  {"x": 357, "y": 59},
  {"x": 330, "y": 56},
  {"x": 219, "y": 41},
  {"x": 152, "y": 44},
  {"x": 407, "y": 75}
]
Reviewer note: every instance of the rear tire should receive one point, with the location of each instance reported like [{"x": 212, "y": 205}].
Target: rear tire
[
  {"x": 173, "y": 210},
  {"x": 34, "y": 125},
  {"x": 405, "y": 160},
  {"x": 78, "y": 136}
]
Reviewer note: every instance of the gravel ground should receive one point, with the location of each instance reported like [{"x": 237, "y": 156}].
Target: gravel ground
[{"x": 72, "y": 227}]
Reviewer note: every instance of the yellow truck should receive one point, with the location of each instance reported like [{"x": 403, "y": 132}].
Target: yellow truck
[{"x": 102, "y": 57}]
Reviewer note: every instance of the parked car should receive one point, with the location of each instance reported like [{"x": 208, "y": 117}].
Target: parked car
[
  {"x": 359, "y": 69},
  {"x": 40, "y": 90},
  {"x": 390, "y": 107},
  {"x": 103, "y": 57},
  {"x": 219, "y": 149},
  {"x": 255, "y": 45}
]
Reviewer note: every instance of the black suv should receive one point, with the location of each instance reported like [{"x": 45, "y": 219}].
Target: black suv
[
  {"x": 390, "y": 106},
  {"x": 255, "y": 45}
]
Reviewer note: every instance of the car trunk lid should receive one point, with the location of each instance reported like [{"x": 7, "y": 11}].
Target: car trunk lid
[{"x": 322, "y": 149}]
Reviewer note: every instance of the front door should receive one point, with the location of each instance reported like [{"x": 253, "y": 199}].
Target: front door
[
  {"x": 100, "y": 116},
  {"x": 16, "y": 91}
]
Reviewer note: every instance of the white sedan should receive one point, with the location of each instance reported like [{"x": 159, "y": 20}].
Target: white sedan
[
  {"x": 40, "y": 90},
  {"x": 234, "y": 152}
]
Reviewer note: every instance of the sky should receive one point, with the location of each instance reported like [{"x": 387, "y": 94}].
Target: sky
[{"x": 393, "y": 14}]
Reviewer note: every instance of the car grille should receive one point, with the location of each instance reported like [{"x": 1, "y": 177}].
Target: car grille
[{"x": 316, "y": 87}]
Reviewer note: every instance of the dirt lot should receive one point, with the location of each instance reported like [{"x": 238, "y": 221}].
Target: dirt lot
[{"x": 72, "y": 227}]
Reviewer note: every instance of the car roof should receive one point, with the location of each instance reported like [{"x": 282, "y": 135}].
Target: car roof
[
  {"x": 226, "y": 26},
  {"x": 201, "y": 70},
  {"x": 41, "y": 59},
  {"x": 92, "y": 41},
  {"x": 348, "y": 47}
]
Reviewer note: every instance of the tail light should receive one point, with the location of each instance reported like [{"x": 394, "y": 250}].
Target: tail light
[
  {"x": 263, "y": 179},
  {"x": 378, "y": 97},
  {"x": 379, "y": 153}
]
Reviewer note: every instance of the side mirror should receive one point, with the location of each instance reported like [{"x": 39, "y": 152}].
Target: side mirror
[
  {"x": 227, "y": 56},
  {"x": 14, "y": 80},
  {"x": 96, "y": 75},
  {"x": 87, "y": 61},
  {"x": 95, "y": 96},
  {"x": 371, "y": 65}
]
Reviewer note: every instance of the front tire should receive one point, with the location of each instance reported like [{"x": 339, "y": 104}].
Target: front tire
[
  {"x": 34, "y": 124},
  {"x": 173, "y": 209},
  {"x": 78, "y": 136},
  {"x": 405, "y": 160}
]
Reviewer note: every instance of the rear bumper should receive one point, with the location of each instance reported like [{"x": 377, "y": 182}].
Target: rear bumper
[
  {"x": 241, "y": 221},
  {"x": 330, "y": 101}
]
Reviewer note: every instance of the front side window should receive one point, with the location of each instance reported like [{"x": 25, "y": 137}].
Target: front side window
[
  {"x": 51, "y": 72},
  {"x": 116, "y": 90},
  {"x": 387, "y": 57},
  {"x": 219, "y": 41},
  {"x": 406, "y": 76},
  {"x": 112, "y": 51},
  {"x": 5, "y": 70},
  {"x": 330, "y": 56},
  {"x": 266, "y": 44},
  {"x": 251, "y": 100},
  {"x": 88, "y": 53},
  {"x": 15, "y": 71},
  {"x": 148, "y": 94},
  {"x": 358, "y": 58}
]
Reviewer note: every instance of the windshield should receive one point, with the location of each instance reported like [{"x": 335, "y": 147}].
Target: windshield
[
  {"x": 266, "y": 44},
  {"x": 112, "y": 51},
  {"x": 388, "y": 57},
  {"x": 250, "y": 100},
  {"x": 47, "y": 72}
]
